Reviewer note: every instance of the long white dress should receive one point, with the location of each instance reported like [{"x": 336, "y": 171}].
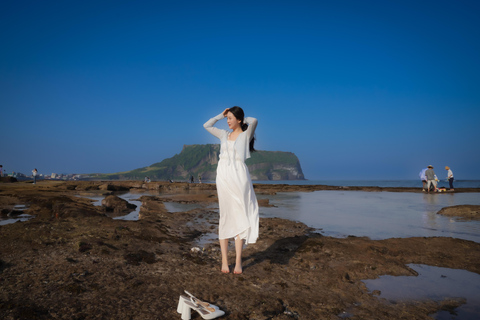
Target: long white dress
[{"x": 237, "y": 201}]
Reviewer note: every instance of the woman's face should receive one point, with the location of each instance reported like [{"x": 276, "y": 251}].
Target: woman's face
[{"x": 233, "y": 122}]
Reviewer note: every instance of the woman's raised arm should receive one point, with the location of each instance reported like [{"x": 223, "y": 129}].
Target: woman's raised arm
[
  {"x": 210, "y": 128},
  {"x": 252, "y": 125}
]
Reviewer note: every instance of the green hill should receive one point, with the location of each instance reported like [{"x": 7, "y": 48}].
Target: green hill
[{"x": 201, "y": 160}]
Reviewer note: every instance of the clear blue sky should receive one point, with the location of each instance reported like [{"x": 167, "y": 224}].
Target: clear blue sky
[{"x": 356, "y": 89}]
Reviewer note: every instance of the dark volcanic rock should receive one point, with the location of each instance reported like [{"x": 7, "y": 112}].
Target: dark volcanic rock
[
  {"x": 117, "y": 205},
  {"x": 8, "y": 179},
  {"x": 94, "y": 267},
  {"x": 112, "y": 187},
  {"x": 468, "y": 212}
]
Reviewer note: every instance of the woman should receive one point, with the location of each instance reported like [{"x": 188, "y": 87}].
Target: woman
[{"x": 236, "y": 199}]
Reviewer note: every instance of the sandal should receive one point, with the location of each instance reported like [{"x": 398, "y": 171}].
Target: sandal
[
  {"x": 205, "y": 309},
  {"x": 206, "y": 305}
]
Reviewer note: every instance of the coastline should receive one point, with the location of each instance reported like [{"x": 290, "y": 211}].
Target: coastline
[{"x": 73, "y": 261}]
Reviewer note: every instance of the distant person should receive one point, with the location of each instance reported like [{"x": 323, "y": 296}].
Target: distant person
[
  {"x": 34, "y": 173},
  {"x": 1, "y": 170},
  {"x": 450, "y": 177},
  {"x": 430, "y": 174},
  {"x": 191, "y": 179},
  {"x": 423, "y": 178},
  {"x": 199, "y": 179},
  {"x": 237, "y": 201}
]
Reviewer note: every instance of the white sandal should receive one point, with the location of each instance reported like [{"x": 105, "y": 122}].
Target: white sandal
[{"x": 205, "y": 309}]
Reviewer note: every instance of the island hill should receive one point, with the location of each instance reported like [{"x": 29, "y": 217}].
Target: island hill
[{"x": 201, "y": 160}]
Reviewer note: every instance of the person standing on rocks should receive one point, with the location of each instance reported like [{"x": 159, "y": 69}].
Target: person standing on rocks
[
  {"x": 449, "y": 177},
  {"x": 34, "y": 173},
  {"x": 237, "y": 201},
  {"x": 423, "y": 178},
  {"x": 430, "y": 174}
]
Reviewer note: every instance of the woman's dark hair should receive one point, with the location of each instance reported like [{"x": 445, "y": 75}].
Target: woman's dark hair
[{"x": 240, "y": 115}]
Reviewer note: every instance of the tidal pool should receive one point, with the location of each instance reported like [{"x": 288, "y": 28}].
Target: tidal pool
[
  {"x": 20, "y": 217},
  {"x": 433, "y": 283},
  {"x": 378, "y": 215},
  {"x": 128, "y": 196},
  {"x": 171, "y": 206},
  {"x": 16, "y": 217},
  {"x": 184, "y": 207}
]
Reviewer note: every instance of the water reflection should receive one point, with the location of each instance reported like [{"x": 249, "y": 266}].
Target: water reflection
[
  {"x": 433, "y": 283},
  {"x": 128, "y": 196},
  {"x": 378, "y": 215},
  {"x": 132, "y": 197},
  {"x": 20, "y": 217},
  {"x": 16, "y": 214},
  {"x": 174, "y": 207}
]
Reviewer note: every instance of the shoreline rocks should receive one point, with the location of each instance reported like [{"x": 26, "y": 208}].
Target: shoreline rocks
[
  {"x": 467, "y": 212},
  {"x": 81, "y": 264},
  {"x": 117, "y": 205}
]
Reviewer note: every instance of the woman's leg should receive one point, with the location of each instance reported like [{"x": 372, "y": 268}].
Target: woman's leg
[
  {"x": 224, "y": 250},
  {"x": 238, "y": 252}
]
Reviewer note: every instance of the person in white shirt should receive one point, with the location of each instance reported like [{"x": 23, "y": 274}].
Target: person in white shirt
[
  {"x": 423, "y": 178},
  {"x": 449, "y": 177},
  {"x": 34, "y": 172}
]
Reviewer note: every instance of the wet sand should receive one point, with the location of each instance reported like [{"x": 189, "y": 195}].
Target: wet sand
[{"x": 73, "y": 261}]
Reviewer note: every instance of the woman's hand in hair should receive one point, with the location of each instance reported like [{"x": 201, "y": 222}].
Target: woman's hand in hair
[{"x": 225, "y": 112}]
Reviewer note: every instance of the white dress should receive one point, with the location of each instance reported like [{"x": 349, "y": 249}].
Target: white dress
[
  {"x": 238, "y": 204},
  {"x": 236, "y": 199}
]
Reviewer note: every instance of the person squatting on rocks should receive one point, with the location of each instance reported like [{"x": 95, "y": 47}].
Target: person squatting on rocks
[{"x": 237, "y": 201}]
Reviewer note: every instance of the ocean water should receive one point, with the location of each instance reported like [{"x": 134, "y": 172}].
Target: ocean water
[{"x": 375, "y": 183}]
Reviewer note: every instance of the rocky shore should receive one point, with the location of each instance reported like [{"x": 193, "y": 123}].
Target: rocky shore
[
  {"x": 73, "y": 261},
  {"x": 465, "y": 212}
]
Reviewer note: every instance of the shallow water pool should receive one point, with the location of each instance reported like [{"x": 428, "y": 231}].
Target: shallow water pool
[
  {"x": 16, "y": 217},
  {"x": 128, "y": 196},
  {"x": 378, "y": 215},
  {"x": 434, "y": 283}
]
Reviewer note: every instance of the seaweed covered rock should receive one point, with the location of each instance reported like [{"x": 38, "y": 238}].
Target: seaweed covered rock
[{"x": 116, "y": 205}]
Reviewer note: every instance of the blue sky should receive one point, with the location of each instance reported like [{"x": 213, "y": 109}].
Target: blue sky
[{"x": 356, "y": 89}]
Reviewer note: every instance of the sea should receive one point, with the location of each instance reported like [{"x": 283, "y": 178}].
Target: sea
[{"x": 374, "y": 183}]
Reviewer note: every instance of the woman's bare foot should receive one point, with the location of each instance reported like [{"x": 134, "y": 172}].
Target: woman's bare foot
[
  {"x": 238, "y": 270},
  {"x": 225, "y": 268}
]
